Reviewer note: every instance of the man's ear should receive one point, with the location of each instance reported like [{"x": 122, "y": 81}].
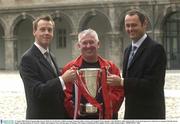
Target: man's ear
[
  {"x": 77, "y": 45},
  {"x": 145, "y": 24},
  {"x": 34, "y": 32},
  {"x": 98, "y": 44}
]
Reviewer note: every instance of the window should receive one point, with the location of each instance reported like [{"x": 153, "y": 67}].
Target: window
[
  {"x": 172, "y": 40},
  {"x": 61, "y": 38}
]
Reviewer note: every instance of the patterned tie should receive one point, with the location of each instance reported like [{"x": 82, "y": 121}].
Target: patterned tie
[
  {"x": 131, "y": 55},
  {"x": 48, "y": 58}
]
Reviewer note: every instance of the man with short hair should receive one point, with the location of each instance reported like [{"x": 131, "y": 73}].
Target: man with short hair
[
  {"x": 144, "y": 70},
  {"x": 109, "y": 98},
  {"x": 44, "y": 87}
]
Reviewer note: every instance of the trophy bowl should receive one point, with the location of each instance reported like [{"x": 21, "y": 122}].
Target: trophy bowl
[{"x": 91, "y": 80}]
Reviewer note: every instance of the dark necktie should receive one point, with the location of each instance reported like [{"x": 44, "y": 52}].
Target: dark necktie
[
  {"x": 48, "y": 58},
  {"x": 131, "y": 55}
]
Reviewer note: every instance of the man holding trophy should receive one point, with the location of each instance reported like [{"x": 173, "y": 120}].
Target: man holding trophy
[{"x": 90, "y": 96}]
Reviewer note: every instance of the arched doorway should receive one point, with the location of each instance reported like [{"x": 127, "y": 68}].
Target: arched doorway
[
  {"x": 100, "y": 23},
  {"x": 172, "y": 40},
  {"x": 24, "y": 38},
  {"x": 2, "y": 46},
  {"x": 62, "y": 45}
]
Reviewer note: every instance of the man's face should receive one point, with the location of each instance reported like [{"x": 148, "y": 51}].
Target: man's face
[
  {"x": 88, "y": 47},
  {"x": 44, "y": 33},
  {"x": 134, "y": 27}
]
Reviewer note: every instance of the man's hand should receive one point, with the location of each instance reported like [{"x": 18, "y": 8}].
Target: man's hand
[
  {"x": 115, "y": 80},
  {"x": 69, "y": 75}
]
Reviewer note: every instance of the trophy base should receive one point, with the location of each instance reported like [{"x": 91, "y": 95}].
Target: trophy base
[{"x": 88, "y": 109}]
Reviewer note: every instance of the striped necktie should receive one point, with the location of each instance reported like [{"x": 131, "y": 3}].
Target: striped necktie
[
  {"x": 48, "y": 58},
  {"x": 131, "y": 55}
]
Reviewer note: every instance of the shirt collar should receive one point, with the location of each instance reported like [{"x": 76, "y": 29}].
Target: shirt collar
[
  {"x": 41, "y": 48},
  {"x": 140, "y": 41}
]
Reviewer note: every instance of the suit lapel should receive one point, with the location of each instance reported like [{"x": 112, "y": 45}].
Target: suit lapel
[
  {"x": 126, "y": 57},
  {"x": 136, "y": 56},
  {"x": 139, "y": 52},
  {"x": 42, "y": 60},
  {"x": 54, "y": 62}
]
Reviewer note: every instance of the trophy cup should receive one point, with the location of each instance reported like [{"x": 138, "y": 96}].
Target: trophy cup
[{"x": 90, "y": 78}]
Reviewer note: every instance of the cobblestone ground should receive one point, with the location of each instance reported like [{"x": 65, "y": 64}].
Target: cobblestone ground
[{"x": 13, "y": 102}]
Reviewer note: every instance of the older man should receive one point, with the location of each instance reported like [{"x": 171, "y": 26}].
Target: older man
[{"x": 108, "y": 97}]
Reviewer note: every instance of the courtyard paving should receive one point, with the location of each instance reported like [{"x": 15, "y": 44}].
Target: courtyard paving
[{"x": 13, "y": 102}]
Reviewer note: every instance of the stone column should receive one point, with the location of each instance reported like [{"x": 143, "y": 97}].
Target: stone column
[
  {"x": 115, "y": 48},
  {"x": 2, "y": 54},
  {"x": 158, "y": 36},
  {"x": 10, "y": 63},
  {"x": 74, "y": 39}
]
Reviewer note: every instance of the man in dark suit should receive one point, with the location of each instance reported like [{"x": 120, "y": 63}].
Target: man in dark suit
[
  {"x": 44, "y": 87},
  {"x": 143, "y": 71}
]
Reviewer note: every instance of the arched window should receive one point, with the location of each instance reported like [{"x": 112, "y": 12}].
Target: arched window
[
  {"x": 24, "y": 38},
  {"x": 172, "y": 40}
]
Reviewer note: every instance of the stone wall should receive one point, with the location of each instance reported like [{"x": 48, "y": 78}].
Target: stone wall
[{"x": 76, "y": 13}]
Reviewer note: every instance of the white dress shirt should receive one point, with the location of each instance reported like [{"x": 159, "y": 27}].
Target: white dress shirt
[{"x": 139, "y": 42}]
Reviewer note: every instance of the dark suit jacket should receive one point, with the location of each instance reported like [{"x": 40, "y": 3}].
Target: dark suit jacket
[
  {"x": 144, "y": 82},
  {"x": 44, "y": 93}
]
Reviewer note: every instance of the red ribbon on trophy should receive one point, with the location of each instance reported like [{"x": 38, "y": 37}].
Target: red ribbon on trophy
[{"x": 85, "y": 92}]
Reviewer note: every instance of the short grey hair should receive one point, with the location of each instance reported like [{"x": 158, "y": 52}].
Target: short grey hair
[{"x": 86, "y": 32}]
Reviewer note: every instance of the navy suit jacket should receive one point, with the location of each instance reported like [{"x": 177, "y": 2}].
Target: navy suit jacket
[
  {"x": 43, "y": 89},
  {"x": 144, "y": 82}
]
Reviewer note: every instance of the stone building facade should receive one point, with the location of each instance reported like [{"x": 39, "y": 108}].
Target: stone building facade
[{"x": 72, "y": 16}]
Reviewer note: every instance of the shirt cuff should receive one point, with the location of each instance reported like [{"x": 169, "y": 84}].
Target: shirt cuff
[
  {"x": 122, "y": 82},
  {"x": 62, "y": 83}
]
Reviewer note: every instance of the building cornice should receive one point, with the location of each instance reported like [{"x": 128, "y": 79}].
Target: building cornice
[{"x": 73, "y": 6}]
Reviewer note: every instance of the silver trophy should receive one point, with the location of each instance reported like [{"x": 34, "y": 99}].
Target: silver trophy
[{"x": 91, "y": 79}]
